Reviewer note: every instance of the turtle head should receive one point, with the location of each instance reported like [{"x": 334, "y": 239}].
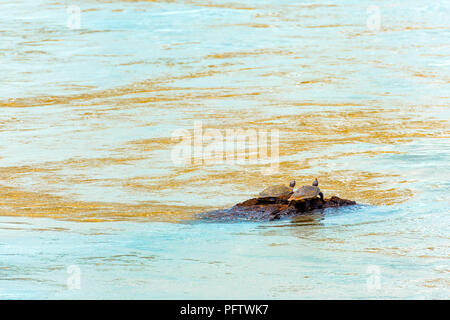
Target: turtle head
[
  {"x": 315, "y": 183},
  {"x": 292, "y": 184}
]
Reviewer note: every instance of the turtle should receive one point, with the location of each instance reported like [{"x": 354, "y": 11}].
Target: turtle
[
  {"x": 277, "y": 191},
  {"x": 307, "y": 193}
]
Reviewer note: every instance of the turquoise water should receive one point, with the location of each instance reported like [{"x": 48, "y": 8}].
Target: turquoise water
[
  {"x": 324, "y": 256},
  {"x": 87, "y": 182}
]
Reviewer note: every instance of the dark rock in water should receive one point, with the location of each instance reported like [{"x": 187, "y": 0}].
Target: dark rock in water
[{"x": 258, "y": 209}]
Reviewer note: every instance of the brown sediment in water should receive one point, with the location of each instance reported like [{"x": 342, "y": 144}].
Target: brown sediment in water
[
  {"x": 309, "y": 134},
  {"x": 15, "y": 202},
  {"x": 389, "y": 29},
  {"x": 242, "y": 54}
]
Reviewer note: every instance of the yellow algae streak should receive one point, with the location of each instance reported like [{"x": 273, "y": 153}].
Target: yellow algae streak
[{"x": 15, "y": 202}]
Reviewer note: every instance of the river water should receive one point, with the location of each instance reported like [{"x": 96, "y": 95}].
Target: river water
[{"x": 93, "y": 205}]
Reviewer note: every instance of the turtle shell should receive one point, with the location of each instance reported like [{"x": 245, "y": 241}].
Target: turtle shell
[
  {"x": 305, "y": 192},
  {"x": 275, "y": 191}
]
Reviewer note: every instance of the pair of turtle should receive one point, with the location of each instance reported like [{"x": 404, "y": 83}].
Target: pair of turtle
[{"x": 302, "y": 193}]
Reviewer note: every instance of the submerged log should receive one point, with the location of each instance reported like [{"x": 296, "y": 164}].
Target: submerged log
[{"x": 274, "y": 208}]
